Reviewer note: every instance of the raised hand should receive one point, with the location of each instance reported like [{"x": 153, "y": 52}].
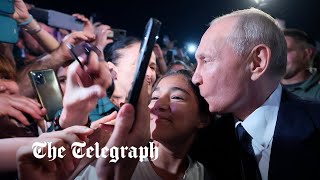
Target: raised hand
[{"x": 132, "y": 128}]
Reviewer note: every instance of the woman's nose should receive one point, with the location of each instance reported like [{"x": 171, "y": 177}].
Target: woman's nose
[{"x": 161, "y": 105}]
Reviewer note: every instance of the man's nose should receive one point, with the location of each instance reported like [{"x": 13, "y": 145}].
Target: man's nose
[{"x": 196, "y": 78}]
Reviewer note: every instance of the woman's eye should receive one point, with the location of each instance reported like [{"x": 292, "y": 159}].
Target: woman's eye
[
  {"x": 62, "y": 80},
  {"x": 154, "y": 98},
  {"x": 177, "y": 97},
  {"x": 152, "y": 67}
]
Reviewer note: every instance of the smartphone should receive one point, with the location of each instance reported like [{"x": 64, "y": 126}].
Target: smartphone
[
  {"x": 117, "y": 34},
  {"x": 146, "y": 48},
  {"x": 57, "y": 19},
  {"x": 7, "y": 6},
  {"x": 9, "y": 30},
  {"x": 64, "y": 21},
  {"x": 48, "y": 91}
]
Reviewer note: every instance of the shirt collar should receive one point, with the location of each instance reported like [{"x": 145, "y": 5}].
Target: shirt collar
[{"x": 261, "y": 123}]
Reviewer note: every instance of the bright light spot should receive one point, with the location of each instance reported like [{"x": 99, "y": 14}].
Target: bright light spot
[
  {"x": 191, "y": 48},
  {"x": 258, "y": 1},
  {"x": 157, "y": 37}
]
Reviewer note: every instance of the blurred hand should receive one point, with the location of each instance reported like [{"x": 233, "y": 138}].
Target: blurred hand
[
  {"x": 75, "y": 38},
  {"x": 21, "y": 12},
  {"x": 88, "y": 27},
  {"x": 15, "y": 106},
  {"x": 132, "y": 128},
  {"x": 30, "y": 167},
  {"x": 108, "y": 120},
  {"x": 83, "y": 89},
  {"x": 102, "y": 32},
  {"x": 157, "y": 51}
]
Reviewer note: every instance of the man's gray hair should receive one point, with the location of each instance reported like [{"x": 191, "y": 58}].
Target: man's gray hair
[{"x": 254, "y": 27}]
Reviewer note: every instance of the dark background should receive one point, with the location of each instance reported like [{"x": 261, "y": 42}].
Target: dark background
[{"x": 184, "y": 20}]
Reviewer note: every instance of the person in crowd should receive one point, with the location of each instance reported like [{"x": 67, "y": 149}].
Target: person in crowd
[
  {"x": 58, "y": 53},
  {"x": 178, "y": 112},
  {"x": 101, "y": 42},
  {"x": 162, "y": 67},
  {"x": 17, "y": 153},
  {"x": 298, "y": 79},
  {"x": 30, "y": 47},
  {"x": 270, "y": 134},
  {"x": 18, "y": 114},
  {"x": 179, "y": 65},
  {"x": 81, "y": 96},
  {"x": 122, "y": 59}
]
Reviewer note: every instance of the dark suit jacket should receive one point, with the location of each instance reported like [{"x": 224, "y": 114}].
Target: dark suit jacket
[{"x": 295, "y": 151}]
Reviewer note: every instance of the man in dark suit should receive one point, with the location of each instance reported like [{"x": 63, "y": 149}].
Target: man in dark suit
[{"x": 270, "y": 133}]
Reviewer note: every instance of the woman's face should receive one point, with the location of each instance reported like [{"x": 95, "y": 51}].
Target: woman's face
[
  {"x": 174, "y": 111},
  {"x": 126, "y": 69},
  {"x": 62, "y": 77},
  {"x": 8, "y": 86}
]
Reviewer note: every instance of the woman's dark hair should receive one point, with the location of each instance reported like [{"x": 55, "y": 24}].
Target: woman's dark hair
[
  {"x": 185, "y": 64},
  {"x": 7, "y": 69},
  {"x": 111, "y": 52},
  {"x": 187, "y": 74}
]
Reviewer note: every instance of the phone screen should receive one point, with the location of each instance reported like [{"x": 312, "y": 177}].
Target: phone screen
[
  {"x": 7, "y": 6},
  {"x": 146, "y": 48},
  {"x": 8, "y": 30}
]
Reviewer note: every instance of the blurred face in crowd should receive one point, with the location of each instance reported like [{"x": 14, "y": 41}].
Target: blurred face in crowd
[
  {"x": 7, "y": 77},
  {"x": 126, "y": 69},
  {"x": 297, "y": 60},
  {"x": 175, "y": 115},
  {"x": 221, "y": 74},
  {"x": 8, "y": 86},
  {"x": 177, "y": 67},
  {"x": 62, "y": 77}
]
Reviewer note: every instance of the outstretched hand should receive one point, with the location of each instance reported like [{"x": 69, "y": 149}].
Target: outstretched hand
[{"x": 30, "y": 167}]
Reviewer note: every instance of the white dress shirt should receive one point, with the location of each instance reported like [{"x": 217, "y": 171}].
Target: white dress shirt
[{"x": 261, "y": 124}]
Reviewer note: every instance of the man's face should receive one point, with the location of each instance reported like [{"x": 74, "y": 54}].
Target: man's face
[
  {"x": 296, "y": 60},
  {"x": 127, "y": 65},
  {"x": 223, "y": 77}
]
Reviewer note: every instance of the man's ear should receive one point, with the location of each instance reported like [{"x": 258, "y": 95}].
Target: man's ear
[
  {"x": 260, "y": 61},
  {"x": 113, "y": 70},
  {"x": 309, "y": 53}
]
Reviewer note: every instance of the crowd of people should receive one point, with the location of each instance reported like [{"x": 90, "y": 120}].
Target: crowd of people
[{"x": 247, "y": 110}]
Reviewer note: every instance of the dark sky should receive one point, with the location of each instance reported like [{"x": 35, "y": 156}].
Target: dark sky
[{"x": 185, "y": 20}]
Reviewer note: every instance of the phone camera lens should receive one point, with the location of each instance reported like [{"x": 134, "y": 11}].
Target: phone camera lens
[{"x": 39, "y": 78}]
